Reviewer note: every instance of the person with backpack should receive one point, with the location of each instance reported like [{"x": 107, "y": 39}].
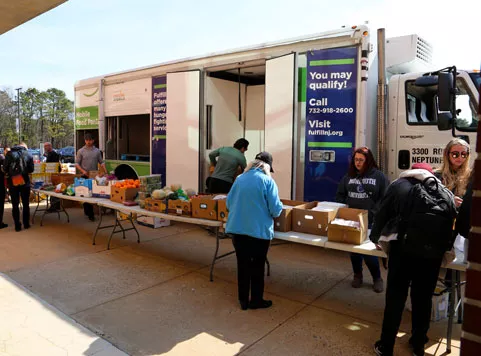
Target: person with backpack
[
  {"x": 2, "y": 192},
  {"x": 416, "y": 216},
  {"x": 362, "y": 188},
  {"x": 17, "y": 167}
]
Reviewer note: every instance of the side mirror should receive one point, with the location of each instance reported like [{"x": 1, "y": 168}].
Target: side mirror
[
  {"x": 445, "y": 121},
  {"x": 426, "y": 81},
  {"x": 445, "y": 90}
]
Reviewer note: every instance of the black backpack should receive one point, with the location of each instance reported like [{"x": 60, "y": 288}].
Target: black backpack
[
  {"x": 428, "y": 220},
  {"x": 17, "y": 165}
]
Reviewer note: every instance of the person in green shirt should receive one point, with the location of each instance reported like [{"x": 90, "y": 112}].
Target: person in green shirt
[{"x": 226, "y": 162}]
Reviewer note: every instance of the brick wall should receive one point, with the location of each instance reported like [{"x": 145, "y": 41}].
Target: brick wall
[{"x": 471, "y": 335}]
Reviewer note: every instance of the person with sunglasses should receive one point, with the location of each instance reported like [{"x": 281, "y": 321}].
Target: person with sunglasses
[
  {"x": 455, "y": 171},
  {"x": 456, "y": 174},
  {"x": 363, "y": 187}
]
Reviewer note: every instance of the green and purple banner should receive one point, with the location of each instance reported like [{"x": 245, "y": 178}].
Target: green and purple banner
[
  {"x": 331, "y": 87},
  {"x": 159, "y": 126}
]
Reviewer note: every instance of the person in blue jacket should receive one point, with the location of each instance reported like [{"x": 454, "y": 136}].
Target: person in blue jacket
[
  {"x": 253, "y": 203},
  {"x": 362, "y": 188}
]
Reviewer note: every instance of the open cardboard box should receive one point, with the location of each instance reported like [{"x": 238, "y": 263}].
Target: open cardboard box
[
  {"x": 204, "y": 207},
  {"x": 283, "y": 222},
  {"x": 348, "y": 234},
  {"x": 311, "y": 221}
]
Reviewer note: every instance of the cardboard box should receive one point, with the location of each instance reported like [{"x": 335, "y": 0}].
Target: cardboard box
[
  {"x": 180, "y": 207},
  {"x": 311, "y": 221},
  {"x": 348, "y": 234},
  {"x": 153, "y": 222},
  {"x": 156, "y": 205},
  {"x": 222, "y": 212},
  {"x": 123, "y": 216},
  {"x": 204, "y": 207},
  {"x": 102, "y": 191},
  {"x": 65, "y": 178},
  {"x": 119, "y": 195},
  {"x": 82, "y": 191},
  {"x": 283, "y": 223}
]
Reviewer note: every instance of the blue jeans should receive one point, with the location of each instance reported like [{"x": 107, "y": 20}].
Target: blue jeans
[{"x": 372, "y": 263}]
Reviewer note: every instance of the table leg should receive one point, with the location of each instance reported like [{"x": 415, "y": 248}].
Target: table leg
[
  {"x": 459, "y": 298},
  {"x": 451, "y": 310},
  {"x": 38, "y": 206},
  {"x": 46, "y": 209},
  {"x": 98, "y": 226},
  {"x": 131, "y": 219},
  {"x": 215, "y": 254}
]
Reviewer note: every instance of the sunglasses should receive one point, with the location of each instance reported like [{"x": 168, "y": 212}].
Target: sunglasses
[{"x": 456, "y": 154}]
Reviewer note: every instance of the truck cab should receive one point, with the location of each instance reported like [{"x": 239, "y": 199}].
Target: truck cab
[{"x": 413, "y": 119}]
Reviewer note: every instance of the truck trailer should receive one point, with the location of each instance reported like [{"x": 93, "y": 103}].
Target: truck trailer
[{"x": 308, "y": 100}]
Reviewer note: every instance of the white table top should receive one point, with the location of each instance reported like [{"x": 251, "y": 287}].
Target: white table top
[
  {"x": 51, "y": 193},
  {"x": 367, "y": 248},
  {"x": 136, "y": 209}
]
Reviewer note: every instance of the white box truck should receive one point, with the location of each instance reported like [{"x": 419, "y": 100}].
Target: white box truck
[{"x": 309, "y": 101}]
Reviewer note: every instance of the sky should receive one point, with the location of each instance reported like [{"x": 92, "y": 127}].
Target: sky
[{"x": 87, "y": 38}]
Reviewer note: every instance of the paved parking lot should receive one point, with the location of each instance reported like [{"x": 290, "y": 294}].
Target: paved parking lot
[{"x": 155, "y": 297}]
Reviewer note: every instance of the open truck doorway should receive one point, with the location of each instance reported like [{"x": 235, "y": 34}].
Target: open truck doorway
[
  {"x": 127, "y": 143},
  {"x": 234, "y": 107}
]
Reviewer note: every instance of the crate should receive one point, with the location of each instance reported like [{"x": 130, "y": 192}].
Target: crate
[
  {"x": 222, "y": 212},
  {"x": 102, "y": 191},
  {"x": 83, "y": 182},
  {"x": 180, "y": 207},
  {"x": 119, "y": 195},
  {"x": 349, "y": 234},
  {"x": 64, "y": 178},
  {"x": 156, "y": 205},
  {"x": 204, "y": 207}
]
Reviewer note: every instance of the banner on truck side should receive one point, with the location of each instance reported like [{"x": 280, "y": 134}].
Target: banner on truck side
[
  {"x": 330, "y": 119},
  {"x": 159, "y": 131}
]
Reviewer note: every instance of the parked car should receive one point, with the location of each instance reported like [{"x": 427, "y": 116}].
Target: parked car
[
  {"x": 67, "y": 154},
  {"x": 35, "y": 153}
]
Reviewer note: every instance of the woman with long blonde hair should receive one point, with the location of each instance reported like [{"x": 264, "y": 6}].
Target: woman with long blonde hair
[{"x": 455, "y": 171}]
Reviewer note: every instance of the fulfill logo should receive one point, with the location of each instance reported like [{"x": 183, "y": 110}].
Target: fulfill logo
[
  {"x": 119, "y": 96},
  {"x": 91, "y": 94}
]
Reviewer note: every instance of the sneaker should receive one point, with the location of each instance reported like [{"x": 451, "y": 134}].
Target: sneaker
[
  {"x": 378, "y": 285},
  {"x": 18, "y": 228},
  {"x": 263, "y": 304},
  {"x": 26, "y": 226},
  {"x": 91, "y": 218},
  {"x": 3, "y": 225},
  {"x": 380, "y": 350},
  {"x": 244, "y": 304},
  {"x": 357, "y": 281}
]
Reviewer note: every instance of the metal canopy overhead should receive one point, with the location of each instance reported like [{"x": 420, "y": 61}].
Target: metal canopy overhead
[{"x": 13, "y": 13}]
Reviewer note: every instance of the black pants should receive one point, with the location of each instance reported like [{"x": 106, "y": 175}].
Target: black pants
[
  {"x": 218, "y": 186},
  {"x": 2, "y": 199},
  {"x": 251, "y": 255},
  {"x": 422, "y": 274},
  {"x": 89, "y": 210},
  {"x": 17, "y": 193}
]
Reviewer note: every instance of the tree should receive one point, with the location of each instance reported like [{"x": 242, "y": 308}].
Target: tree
[
  {"x": 8, "y": 133},
  {"x": 45, "y": 116}
]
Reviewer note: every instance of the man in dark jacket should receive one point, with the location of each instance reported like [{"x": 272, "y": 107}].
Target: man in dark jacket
[
  {"x": 405, "y": 268},
  {"x": 50, "y": 154},
  {"x": 2, "y": 192},
  {"x": 52, "y": 157},
  {"x": 19, "y": 185}
]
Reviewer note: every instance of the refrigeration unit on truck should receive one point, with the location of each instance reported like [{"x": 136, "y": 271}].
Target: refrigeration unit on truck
[{"x": 309, "y": 101}]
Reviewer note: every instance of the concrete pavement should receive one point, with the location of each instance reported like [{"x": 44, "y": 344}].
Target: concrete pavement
[{"x": 155, "y": 298}]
